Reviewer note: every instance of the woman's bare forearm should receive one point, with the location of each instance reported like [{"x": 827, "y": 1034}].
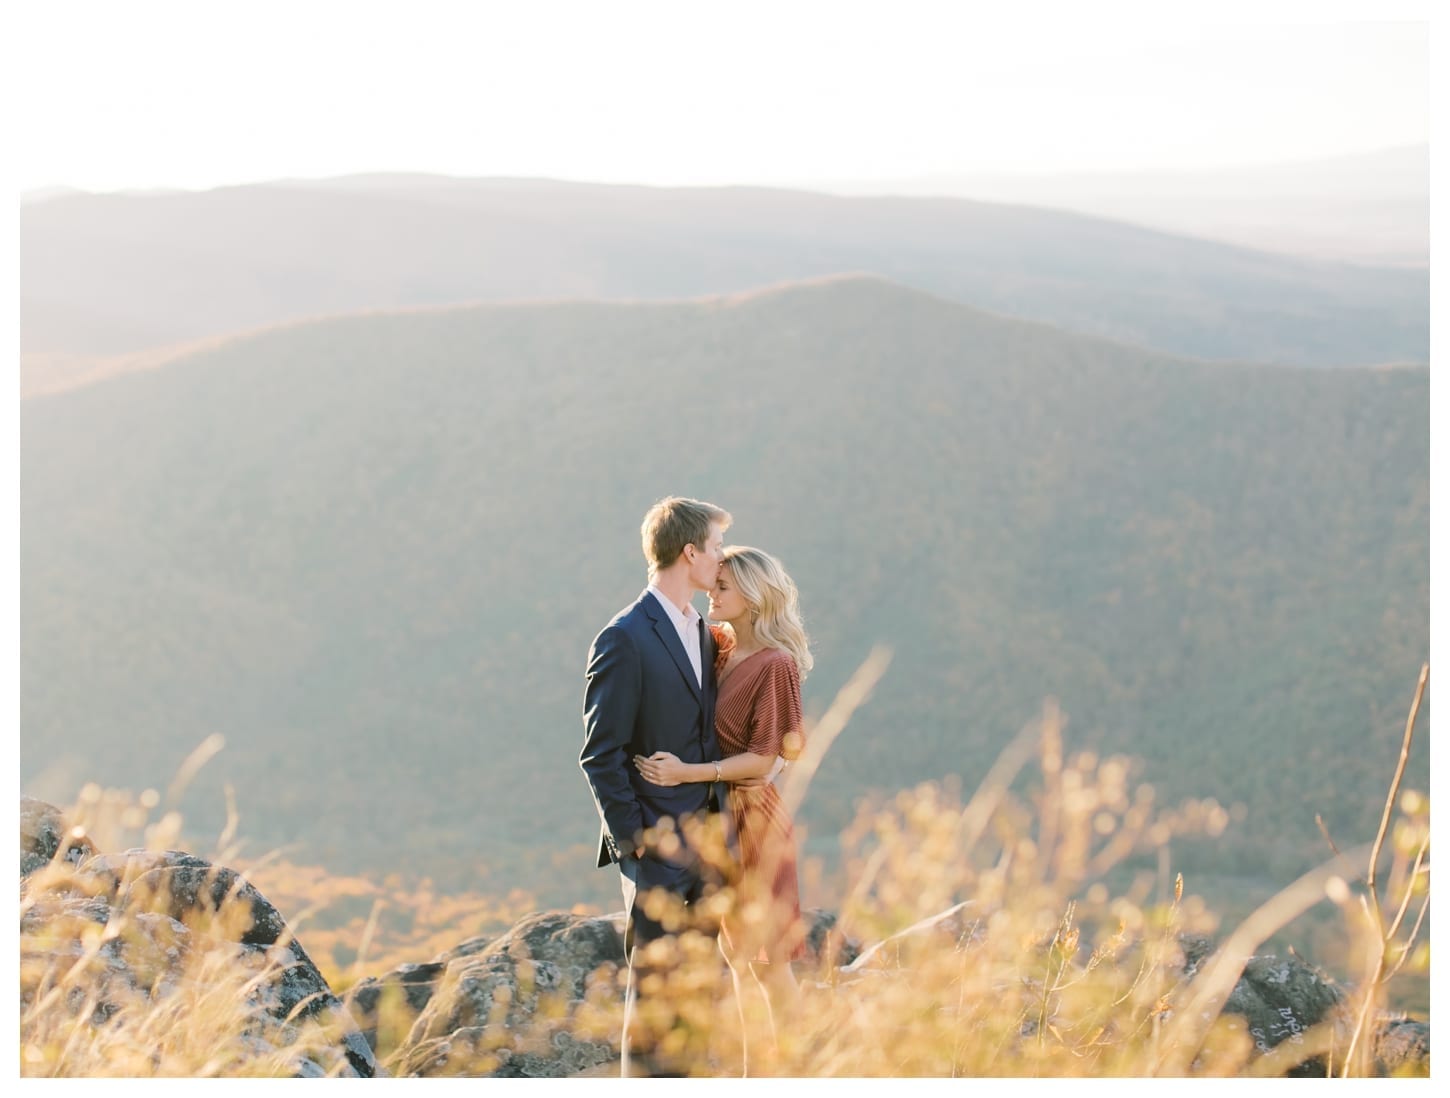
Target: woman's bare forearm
[{"x": 737, "y": 768}]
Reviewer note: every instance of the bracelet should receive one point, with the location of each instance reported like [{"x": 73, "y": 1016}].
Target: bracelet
[{"x": 717, "y": 770}]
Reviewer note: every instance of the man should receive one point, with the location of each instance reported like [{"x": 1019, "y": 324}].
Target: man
[{"x": 650, "y": 686}]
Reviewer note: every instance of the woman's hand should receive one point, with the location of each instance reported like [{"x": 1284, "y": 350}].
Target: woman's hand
[{"x": 661, "y": 768}]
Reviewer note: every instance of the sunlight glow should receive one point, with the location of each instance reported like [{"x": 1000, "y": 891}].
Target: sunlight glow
[{"x": 170, "y": 94}]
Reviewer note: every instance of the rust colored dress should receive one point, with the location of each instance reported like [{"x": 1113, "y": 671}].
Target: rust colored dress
[{"x": 759, "y": 703}]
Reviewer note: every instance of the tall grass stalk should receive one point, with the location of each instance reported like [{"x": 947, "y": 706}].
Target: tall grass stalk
[{"x": 1406, "y": 886}]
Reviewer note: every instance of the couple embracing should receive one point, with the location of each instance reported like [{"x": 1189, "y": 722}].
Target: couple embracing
[{"x": 685, "y": 728}]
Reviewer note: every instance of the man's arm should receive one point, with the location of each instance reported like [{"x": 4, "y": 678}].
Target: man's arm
[
  {"x": 664, "y": 768},
  {"x": 612, "y": 684}
]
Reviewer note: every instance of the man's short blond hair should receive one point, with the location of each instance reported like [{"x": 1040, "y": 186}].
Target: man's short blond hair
[{"x": 675, "y": 522}]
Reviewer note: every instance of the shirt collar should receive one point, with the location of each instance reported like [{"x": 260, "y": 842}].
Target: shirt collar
[{"x": 688, "y": 618}]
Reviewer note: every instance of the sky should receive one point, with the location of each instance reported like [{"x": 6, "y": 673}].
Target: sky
[{"x": 148, "y": 94}]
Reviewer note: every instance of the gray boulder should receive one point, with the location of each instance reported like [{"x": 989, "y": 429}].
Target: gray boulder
[
  {"x": 385, "y": 1007},
  {"x": 1402, "y": 1047},
  {"x": 1280, "y": 998},
  {"x": 826, "y": 943},
  {"x": 44, "y": 834},
  {"x": 542, "y": 999},
  {"x": 169, "y": 916},
  {"x": 521, "y": 1005}
]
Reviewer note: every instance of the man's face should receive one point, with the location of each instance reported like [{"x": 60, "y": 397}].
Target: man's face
[{"x": 705, "y": 563}]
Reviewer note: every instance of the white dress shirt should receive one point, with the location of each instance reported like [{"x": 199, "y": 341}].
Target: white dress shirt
[{"x": 687, "y": 625}]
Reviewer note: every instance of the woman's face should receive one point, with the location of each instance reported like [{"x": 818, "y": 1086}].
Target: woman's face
[{"x": 726, "y": 601}]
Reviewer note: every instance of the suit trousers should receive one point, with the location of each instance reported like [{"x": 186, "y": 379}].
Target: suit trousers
[{"x": 690, "y": 884}]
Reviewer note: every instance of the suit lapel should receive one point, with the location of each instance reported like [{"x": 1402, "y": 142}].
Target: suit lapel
[{"x": 670, "y": 637}]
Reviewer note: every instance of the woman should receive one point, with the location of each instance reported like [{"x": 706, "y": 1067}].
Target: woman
[{"x": 762, "y": 657}]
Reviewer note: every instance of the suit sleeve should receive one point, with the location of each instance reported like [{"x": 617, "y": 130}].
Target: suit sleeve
[{"x": 612, "y": 683}]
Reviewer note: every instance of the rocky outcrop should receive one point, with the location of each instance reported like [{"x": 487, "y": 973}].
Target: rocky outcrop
[
  {"x": 107, "y": 934},
  {"x": 1402, "y": 1046},
  {"x": 522, "y": 1005},
  {"x": 1282, "y": 998},
  {"x": 113, "y": 938},
  {"x": 541, "y": 1000},
  {"x": 44, "y": 834},
  {"x": 825, "y": 942},
  {"x": 385, "y": 1007}
]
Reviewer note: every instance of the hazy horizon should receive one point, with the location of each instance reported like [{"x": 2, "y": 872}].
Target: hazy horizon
[
  {"x": 1369, "y": 208},
  {"x": 43, "y": 190}
]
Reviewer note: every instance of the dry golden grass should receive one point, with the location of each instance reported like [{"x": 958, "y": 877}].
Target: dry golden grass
[
  {"x": 999, "y": 947},
  {"x": 357, "y": 927},
  {"x": 146, "y": 994}
]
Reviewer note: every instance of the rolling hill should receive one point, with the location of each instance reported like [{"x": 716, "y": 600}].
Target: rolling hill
[
  {"x": 109, "y": 275},
  {"x": 372, "y": 552}
]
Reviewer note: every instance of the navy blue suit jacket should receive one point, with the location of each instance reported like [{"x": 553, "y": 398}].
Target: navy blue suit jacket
[{"x": 640, "y": 696}]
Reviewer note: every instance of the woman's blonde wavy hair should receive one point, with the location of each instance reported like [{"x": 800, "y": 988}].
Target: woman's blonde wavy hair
[{"x": 774, "y": 602}]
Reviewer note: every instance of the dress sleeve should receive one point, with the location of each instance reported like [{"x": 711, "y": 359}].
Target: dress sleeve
[{"x": 777, "y": 710}]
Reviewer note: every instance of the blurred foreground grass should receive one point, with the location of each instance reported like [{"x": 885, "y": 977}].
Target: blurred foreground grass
[{"x": 1006, "y": 934}]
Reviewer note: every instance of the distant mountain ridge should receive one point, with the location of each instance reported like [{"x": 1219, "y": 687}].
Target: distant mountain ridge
[
  {"x": 1371, "y": 207},
  {"x": 372, "y": 551},
  {"x": 107, "y": 275}
]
